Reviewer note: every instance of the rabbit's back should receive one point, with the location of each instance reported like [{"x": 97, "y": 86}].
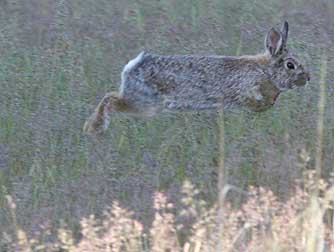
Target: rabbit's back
[{"x": 199, "y": 80}]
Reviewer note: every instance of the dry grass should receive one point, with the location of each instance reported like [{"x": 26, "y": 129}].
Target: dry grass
[
  {"x": 58, "y": 57},
  {"x": 262, "y": 223}
]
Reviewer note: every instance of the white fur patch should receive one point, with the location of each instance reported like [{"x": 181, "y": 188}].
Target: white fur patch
[{"x": 131, "y": 64}]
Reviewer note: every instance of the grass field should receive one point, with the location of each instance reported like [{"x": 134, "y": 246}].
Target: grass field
[{"x": 58, "y": 58}]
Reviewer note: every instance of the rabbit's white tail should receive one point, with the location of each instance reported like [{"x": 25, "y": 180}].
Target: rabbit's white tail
[{"x": 128, "y": 67}]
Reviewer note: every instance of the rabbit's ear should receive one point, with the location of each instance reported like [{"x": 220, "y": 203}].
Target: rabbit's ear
[
  {"x": 273, "y": 42},
  {"x": 285, "y": 31}
]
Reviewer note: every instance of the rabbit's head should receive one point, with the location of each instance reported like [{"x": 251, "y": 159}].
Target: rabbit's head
[{"x": 285, "y": 69}]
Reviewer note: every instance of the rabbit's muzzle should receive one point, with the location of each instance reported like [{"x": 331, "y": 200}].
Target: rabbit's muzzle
[{"x": 302, "y": 80}]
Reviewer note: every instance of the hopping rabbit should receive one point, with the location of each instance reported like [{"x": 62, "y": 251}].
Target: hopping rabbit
[{"x": 153, "y": 83}]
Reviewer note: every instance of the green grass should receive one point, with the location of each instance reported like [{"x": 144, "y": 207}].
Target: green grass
[{"x": 52, "y": 77}]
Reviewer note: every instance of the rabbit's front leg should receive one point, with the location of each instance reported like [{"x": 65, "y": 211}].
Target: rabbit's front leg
[
  {"x": 253, "y": 98},
  {"x": 254, "y": 93}
]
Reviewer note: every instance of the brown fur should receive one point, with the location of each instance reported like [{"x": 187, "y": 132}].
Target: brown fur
[
  {"x": 111, "y": 102},
  {"x": 116, "y": 103},
  {"x": 261, "y": 59}
]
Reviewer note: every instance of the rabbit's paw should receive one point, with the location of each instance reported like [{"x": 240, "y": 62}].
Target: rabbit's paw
[
  {"x": 254, "y": 93},
  {"x": 96, "y": 124}
]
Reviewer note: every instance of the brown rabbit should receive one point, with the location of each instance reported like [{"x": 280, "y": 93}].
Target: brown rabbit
[{"x": 152, "y": 83}]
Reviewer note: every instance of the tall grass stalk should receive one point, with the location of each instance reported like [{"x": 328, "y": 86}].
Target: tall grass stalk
[
  {"x": 320, "y": 122},
  {"x": 221, "y": 180}
]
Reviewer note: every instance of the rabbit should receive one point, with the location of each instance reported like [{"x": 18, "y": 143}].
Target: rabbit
[{"x": 152, "y": 83}]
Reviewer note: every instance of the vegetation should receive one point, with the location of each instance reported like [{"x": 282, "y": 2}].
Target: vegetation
[
  {"x": 262, "y": 223},
  {"x": 58, "y": 58}
]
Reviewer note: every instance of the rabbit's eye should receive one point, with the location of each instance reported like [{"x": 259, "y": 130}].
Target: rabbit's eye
[{"x": 290, "y": 65}]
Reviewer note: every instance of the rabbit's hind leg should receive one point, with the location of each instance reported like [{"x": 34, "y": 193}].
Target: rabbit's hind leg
[
  {"x": 100, "y": 119},
  {"x": 144, "y": 100}
]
